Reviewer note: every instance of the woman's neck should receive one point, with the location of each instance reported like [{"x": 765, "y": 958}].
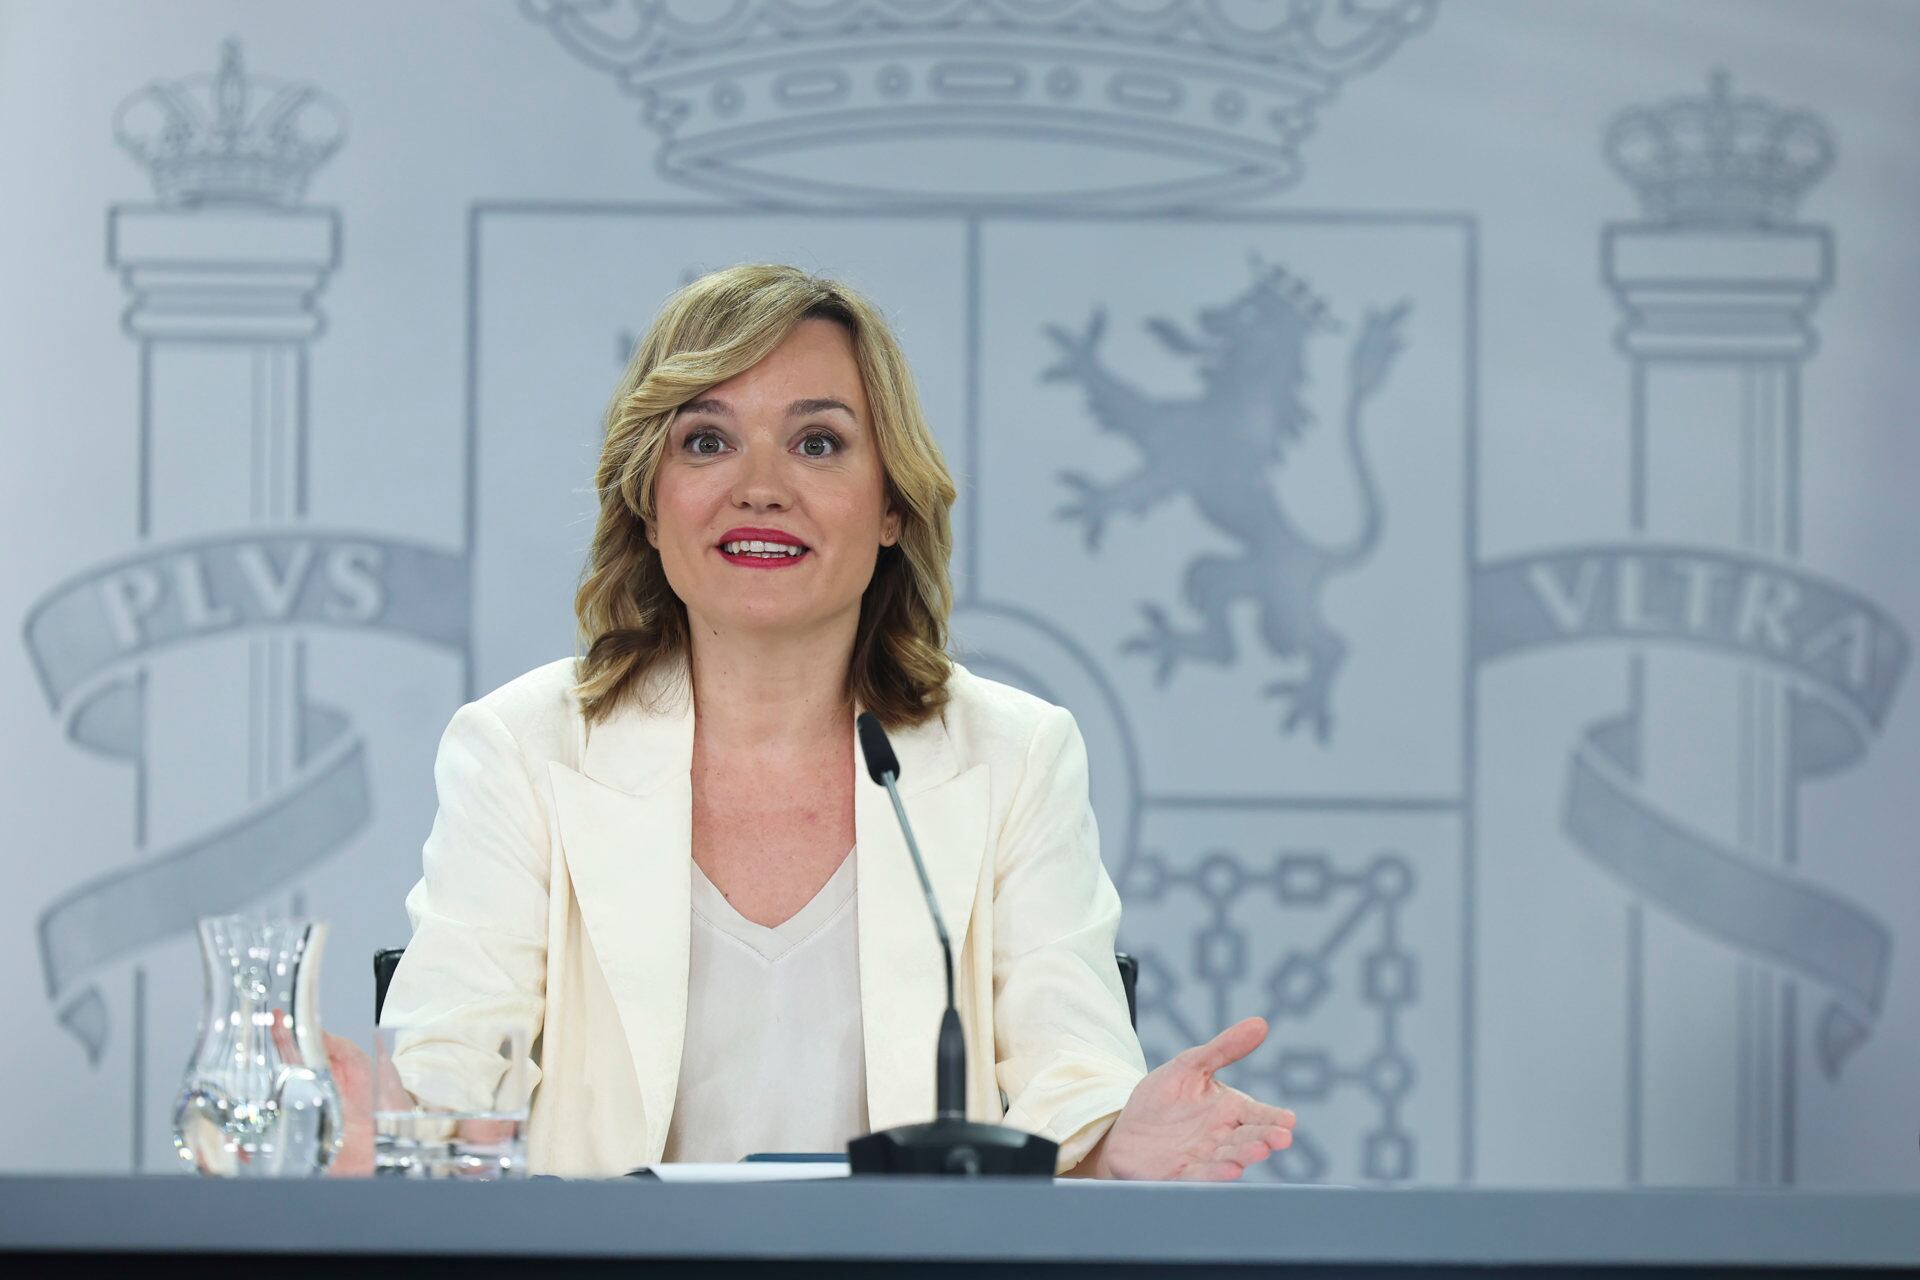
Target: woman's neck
[{"x": 765, "y": 695}]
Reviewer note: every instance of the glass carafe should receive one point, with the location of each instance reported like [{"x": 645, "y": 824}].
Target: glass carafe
[{"x": 259, "y": 1100}]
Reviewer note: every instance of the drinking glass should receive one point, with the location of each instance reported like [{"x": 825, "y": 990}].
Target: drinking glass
[{"x": 450, "y": 1101}]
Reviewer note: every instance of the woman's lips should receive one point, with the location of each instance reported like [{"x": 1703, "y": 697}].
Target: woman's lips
[{"x": 748, "y": 560}]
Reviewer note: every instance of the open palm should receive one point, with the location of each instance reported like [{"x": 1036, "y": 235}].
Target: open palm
[{"x": 1182, "y": 1123}]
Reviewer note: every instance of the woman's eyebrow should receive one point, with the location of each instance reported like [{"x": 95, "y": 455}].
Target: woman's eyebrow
[
  {"x": 794, "y": 410},
  {"x": 801, "y": 407}
]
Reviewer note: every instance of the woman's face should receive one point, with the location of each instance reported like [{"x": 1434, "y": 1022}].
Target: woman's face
[{"x": 782, "y": 456}]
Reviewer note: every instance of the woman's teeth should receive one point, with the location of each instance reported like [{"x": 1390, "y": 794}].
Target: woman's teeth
[{"x": 770, "y": 550}]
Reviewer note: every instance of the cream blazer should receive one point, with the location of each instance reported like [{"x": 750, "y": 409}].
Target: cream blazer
[{"x": 555, "y": 897}]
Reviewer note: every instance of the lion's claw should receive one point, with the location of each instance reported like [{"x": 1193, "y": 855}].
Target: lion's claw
[
  {"x": 1166, "y": 645},
  {"x": 1307, "y": 701},
  {"x": 1088, "y": 507}
]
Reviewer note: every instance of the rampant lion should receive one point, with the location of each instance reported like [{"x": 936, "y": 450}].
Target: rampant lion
[{"x": 1216, "y": 449}]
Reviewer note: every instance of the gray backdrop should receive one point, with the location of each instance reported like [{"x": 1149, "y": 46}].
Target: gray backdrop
[{"x": 1454, "y": 459}]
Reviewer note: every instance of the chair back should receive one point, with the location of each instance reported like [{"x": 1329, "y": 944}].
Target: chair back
[{"x": 385, "y": 961}]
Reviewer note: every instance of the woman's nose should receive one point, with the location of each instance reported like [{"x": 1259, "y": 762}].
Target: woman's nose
[{"x": 761, "y": 485}]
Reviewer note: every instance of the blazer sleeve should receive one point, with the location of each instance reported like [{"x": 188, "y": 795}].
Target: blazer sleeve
[
  {"x": 1065, "y": 1051},
  {"x": 477, "y": 960}
]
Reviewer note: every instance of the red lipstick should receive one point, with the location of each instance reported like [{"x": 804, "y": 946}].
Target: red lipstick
[
  {"x": 761, "y": 548},
  {"x": 749, "y": 534}
]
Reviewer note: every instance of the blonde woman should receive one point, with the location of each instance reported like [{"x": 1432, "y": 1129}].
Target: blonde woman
[{"x": 660, "y": 861}]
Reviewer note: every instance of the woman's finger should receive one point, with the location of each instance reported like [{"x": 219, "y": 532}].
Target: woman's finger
[
  {"x": 1231, "y": 1045},
  {"x": 486, "y": 1131},
  {"x": 1244, "y": 1152},
  {"x": 1253, "y": 1111},
  {"x": 1249, "y": 1144},
  {"x": 1210, "y": 1171},
  {"x": 1278, "y": 1137}
]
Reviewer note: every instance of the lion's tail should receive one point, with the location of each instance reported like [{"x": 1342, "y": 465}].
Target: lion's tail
[{"x": 1373, "y": 355}]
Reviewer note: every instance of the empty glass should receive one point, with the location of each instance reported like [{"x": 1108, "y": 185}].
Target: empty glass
[
  {"x": 450, "y": 1101},
  {"x": 259, "y": 1099}
]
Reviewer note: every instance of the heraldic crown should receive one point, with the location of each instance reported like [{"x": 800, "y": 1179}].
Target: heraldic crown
[
  {"x": 1219, "y": 91},
  {"x": 1719, "y": 160},
  {"x": 204, "y": 144}
]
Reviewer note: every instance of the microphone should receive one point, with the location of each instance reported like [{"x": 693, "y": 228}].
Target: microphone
[
  {"x": 950, "y": 1060},
  {"x": 950, "y": 1144}
]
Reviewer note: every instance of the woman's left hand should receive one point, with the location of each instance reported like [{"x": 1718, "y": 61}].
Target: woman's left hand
[
  {"x": 1181, "y": 1123},
  {"x": 353, "y": 1076}
]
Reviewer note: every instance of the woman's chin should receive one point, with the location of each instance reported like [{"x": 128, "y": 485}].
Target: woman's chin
[{"x": 770, "y": 619}]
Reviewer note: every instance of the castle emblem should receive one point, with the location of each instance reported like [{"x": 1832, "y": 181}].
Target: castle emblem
[{"x": 1217, "y": 449}]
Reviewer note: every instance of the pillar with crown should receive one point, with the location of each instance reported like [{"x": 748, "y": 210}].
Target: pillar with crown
[
  {"x": 1717, "y": 281},
  {"x": 223, "y": 270}
]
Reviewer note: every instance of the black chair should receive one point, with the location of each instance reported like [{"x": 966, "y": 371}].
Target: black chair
[
  {"x": 386, "y": 961},
  {"x": 1129, "y": 979}
]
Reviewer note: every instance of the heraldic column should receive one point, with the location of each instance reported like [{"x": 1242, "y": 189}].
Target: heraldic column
[
  {"x": 223, "y": 271},
  {"x": 223, "y": 309},
  {"x": 1717, "y": 285}
]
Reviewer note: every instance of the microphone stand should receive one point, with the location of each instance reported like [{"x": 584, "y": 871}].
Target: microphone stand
[{"x": 949, "y": 1143}]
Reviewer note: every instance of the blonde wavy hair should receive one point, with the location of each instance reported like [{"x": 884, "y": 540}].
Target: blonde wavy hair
[{"x": 720, "y": 325}]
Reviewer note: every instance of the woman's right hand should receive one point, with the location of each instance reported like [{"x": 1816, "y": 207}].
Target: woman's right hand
[
  {"x": 353, "y": 1076},
  {"x": 1183, "y": 1123}
]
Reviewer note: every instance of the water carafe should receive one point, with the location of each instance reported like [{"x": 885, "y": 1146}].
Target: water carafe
[{"x": 259, "y": 1100}]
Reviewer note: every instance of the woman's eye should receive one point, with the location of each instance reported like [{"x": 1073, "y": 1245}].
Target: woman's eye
[
  {"x": 819, "y": 445},
  {"x": 705, "y": 442}
]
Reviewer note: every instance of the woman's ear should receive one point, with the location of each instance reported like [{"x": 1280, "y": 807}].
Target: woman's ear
[
  {"x": 653, "y": 539},
  {"x": 890, "y": 527}
]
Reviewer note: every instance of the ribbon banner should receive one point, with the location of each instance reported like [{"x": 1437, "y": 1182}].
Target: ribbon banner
[
  {"x": 1845, "y": 658},
  {"x": 90, "y": 639}
]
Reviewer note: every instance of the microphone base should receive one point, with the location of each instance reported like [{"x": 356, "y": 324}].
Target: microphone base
[{"x": 954, "y": 1148}]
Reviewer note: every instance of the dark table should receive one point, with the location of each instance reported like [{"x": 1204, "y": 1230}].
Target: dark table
[{"x": 871, "y": 1226}]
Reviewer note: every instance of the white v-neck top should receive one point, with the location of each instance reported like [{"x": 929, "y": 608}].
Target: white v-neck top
[{"x": 774, "y": 1058}]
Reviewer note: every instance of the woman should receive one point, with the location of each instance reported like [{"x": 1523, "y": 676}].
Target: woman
[{"x": 661, "y": 861}]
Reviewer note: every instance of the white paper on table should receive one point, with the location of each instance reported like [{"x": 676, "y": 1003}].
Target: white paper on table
[
  {"x": 750, "y": 1171},
  {"x": 1168, "y": 1182}
]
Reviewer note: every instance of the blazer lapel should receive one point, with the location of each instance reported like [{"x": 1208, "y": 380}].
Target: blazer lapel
[
  {"x": 626, "y": 824},
  {"x": 902, "y": 982}
]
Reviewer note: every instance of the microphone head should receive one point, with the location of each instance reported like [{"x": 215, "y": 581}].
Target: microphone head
[{"x": 876, "y": 748}]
